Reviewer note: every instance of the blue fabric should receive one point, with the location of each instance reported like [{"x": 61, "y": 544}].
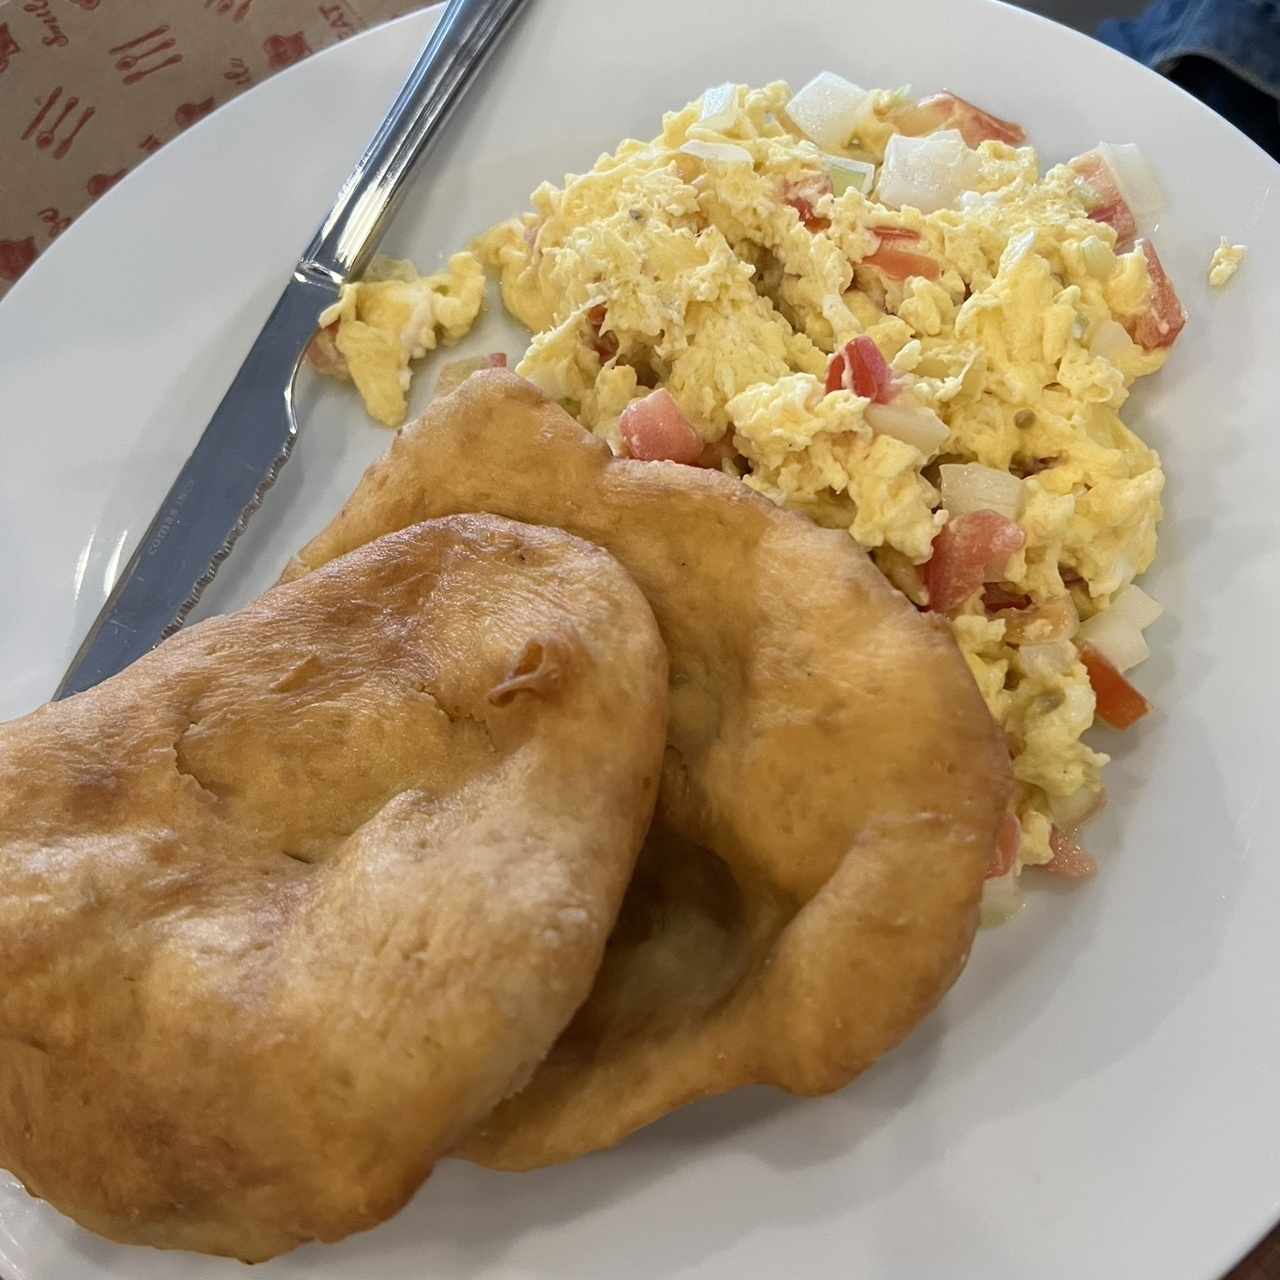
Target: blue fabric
[{"x": 1226, "y": 52}]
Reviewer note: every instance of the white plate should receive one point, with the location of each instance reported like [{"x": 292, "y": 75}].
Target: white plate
[{"x": 1097, "y": 1097}]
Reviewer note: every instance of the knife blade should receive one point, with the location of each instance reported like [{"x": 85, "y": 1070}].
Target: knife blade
[
  {"x": 253, "y": 430},
  {"x": 247, "y": 441}
]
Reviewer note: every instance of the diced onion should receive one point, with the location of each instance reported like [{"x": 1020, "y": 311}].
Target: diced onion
[
  {"x": 972, "y": 487},
  {"x": 850, "y": 173},
  {"x": 1001, "y": 898},
  {"x": 1134, "y": 606},
  {"x": 927, "y": 173},
  {"x": 1047, "y": 661},
  {"x": 1110, "y": 341},
  {"x": 913, "y": 424},
  {"x": 719, "y": 107},
  {"x": 1017, "y": 248},
  {"x": 1071, "y": 812},
  {"x": 1116, "y": 639},
  {"x": 827, "y": 109},
  {"x": 717, "y": 152},
  {"x": 1135, "y": 180}
]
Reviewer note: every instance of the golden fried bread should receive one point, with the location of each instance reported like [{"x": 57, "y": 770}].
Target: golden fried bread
[
  {"x": 289, "y": 905},
  {"x": 830, "y": 793}
]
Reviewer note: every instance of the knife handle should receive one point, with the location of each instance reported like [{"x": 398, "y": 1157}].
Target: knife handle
[{"x": 462, "y": 40}]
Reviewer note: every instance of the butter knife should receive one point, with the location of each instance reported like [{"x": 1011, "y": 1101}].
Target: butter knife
[{"x": 252, "y": 432}]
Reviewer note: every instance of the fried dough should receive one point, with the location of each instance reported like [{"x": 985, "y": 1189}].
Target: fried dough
[
  {"x": 830, "y": 793},
  {"x": 290, "y": 904}
]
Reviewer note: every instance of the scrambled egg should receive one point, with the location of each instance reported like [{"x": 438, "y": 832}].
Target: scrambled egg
[
  {"x": 392, "y": 316},
  {"x": 724, "y": 264},
  {"x": 1226, "y": 261}
]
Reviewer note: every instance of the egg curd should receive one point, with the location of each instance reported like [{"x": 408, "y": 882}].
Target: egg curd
[
  {"x": 390, "y": 317},
  {"x": 1226, "y": 261},
  {"x": 878, "y": 313}
]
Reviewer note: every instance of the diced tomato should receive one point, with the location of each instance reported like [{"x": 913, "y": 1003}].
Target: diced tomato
[
  {"x": 655, "y": 430},
  {"x": 901, "y": 264},
  {"x": 1162, "y": 321},
  {"x": 1108, "y": 204},
  {"x": 861, "y": 368},
  {"x": 716, "y": 453},
  {"x": 804, "y": 194},
  {"x": 1115, "y": 213},
  {"x": 605, "y": 344},
  {"x": 1119, "y": 703},
  {"x": 895, "y": 235},
  {"x": 1008, "y": 842},
  {"x": 810, "y": 219},
  {"x": 967, "y": 551},
  {"x": 1069, "y": 860},
  {"x": 995, "y": 598},
  {"x": 947, "y": 110},
  {"x": 896, "y": 261}
]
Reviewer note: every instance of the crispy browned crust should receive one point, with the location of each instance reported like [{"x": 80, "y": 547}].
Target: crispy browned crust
[
  {"x": 830, "y": 795},
  {"x": 290, "y": 904}
]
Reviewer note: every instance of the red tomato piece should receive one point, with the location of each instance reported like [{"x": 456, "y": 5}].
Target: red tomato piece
[
  {"x": 810, "y": 219},
  {"x": 1069, "y": 860},
  {"x": 716, "y": 453},
  {"x": 947, "y": 110},
  {"x": 804, "y": 194},
  {"x": 902, "y": 264},
  {"x": 605, "y": 344},
  {"x": 836, "y": 372},
  {"x": 655, "y": 430},
  {"x": 1162, "y": 321},
  {"x": 1108, "y": 204},
  {"x": 995, "y": 598},
  {"x": 895, "y": 235},
  {"x": 1119, "y": 703},
  {"x": 967, "y": 551},
  {"x": 862, "y": 369},
  {"x": 897, "y": 262}
]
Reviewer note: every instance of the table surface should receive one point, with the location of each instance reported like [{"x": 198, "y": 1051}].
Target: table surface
[{"x": 87, "y": 92}]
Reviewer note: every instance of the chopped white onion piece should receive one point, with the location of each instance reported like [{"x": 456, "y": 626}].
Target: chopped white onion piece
[
  {"x": 850, "y": 173},
  {"x": 1110, "y": 341},
  {"x": 1135, "y": 180},
  {"x": 1071, "y": 812},
  {"x": 927, "y": 173},
  {"x": 719, "y": 107},
  {"x": 1016, "y": 249},
  {"x": 826, "y": 109},
  {"x": 1047, "y": 661},
  {"x": 1001, "y": 898},
  {"x": 1134, "y": 606},
  {"x": 717, "y": 152},
  {"x": 970, "y": 486},
  {"x": 1116, "y": 639},
  {"x": 913, "y": 424}
]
